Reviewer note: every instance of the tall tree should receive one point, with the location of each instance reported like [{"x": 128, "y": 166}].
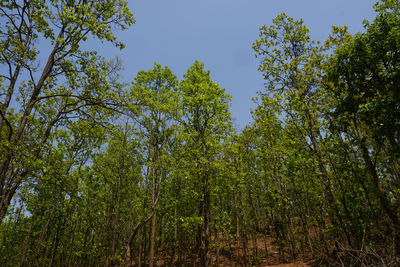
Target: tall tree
[
  {"x": 154, "y": 92},
  {"x": 206, "y": 121},
  {"x": 37, "y": 98},
  {"x": 292, "y": 66},
  {"x": 364, "y": 77}
]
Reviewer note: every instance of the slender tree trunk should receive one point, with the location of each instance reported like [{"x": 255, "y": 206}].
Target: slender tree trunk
[
  {"x": 380, "y": 192},
  {"x": 142, "y": 238},
  {"x": 152, "y": 240},
  {"x": 26, "y": 246},
  {"x": 245, "y": 248},
  {"x": 325, "y": 176},
  {"x": 116, "y": 219},
  {"x": 14, "y": 77},
  {"x": 204, "y": 229},
  {"x": 45, "y": 227},
  {"x": 217, "y": 247},
  {"x": 6, "y": 195},
  {"x": 128, "y": 241},
  {"x": 255, "y": 248},
  {"x": 55, "y": 248},
  {"x": 153, "y": 219},
  {"x": 266, "y": 246},
  {"x": 175, "y": 241},
  {"x": 206, "y": 222},
  {"x": 235, "y": 207}
]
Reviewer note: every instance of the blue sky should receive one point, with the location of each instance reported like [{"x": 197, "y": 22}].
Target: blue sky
[{"x": 220, "y": 34}]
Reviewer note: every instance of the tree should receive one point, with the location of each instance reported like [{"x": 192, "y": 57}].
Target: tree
[
  {"x": 292, "y": 65},
  {"x": 36, "y": 98},
  {"x": 206, "y": 121},
  {"x": 364, "y": 76},
  {"x": 113, "y": 190},
  {"x": 154, "y": 92}
]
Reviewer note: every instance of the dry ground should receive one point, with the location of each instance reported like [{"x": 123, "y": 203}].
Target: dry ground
[{"x": 234, "y": 258}]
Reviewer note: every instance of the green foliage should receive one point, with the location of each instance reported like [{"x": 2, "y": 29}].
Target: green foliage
[
  {"x": 93, "y": 173},
  {"x": 72, "y": 84},
  {"x": 365, "y": 75}
]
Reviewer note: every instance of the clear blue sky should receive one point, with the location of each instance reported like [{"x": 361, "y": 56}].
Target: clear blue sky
[{"x": 220, "y": 34}]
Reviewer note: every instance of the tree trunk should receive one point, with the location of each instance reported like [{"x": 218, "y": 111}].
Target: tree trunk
[
  {"x": 129, "y": 239},
  {"x": 6, "y": 195},
  {"x": 152, "y": 240},
  {"x": 30, "y": 227},
  {"x": 45, "y": 227},
  {"x": 236, "y": 219},
  {"x": 380, "y": 192}
]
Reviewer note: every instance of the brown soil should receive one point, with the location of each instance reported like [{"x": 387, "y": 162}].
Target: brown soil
[{"x": 235, "y": 257}]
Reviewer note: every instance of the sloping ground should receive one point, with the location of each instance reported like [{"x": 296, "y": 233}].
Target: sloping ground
[{"x": 235, "y": 257}]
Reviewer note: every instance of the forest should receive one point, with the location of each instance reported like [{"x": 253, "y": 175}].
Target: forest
[{"x": 98, "y": 172}]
